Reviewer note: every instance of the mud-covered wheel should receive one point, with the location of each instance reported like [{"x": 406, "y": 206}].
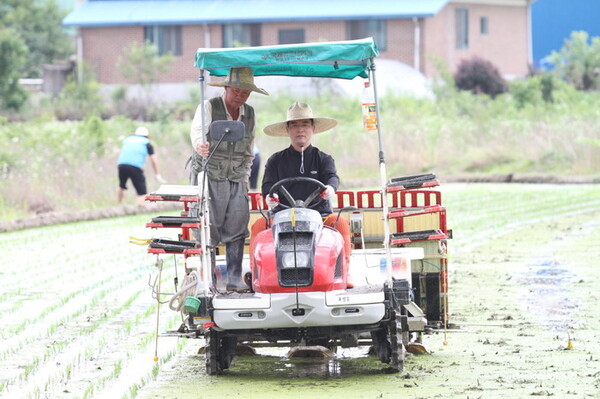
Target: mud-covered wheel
[
  {"x": 220, "y": 351},
  {"x": 213, "y": 364},
  {"x": 402, "y": 321},
  {"x": 381, "y": 345},
  {"x": 405, "y": 338},
  {"x": 227, "y": 351},
  {"x": 395, "y": 337}
]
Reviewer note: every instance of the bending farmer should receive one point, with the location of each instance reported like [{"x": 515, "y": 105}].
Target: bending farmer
[{"x": 134, "y": 151}]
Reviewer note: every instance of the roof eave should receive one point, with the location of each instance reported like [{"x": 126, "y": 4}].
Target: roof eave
[{"x": 97, "y": 24}]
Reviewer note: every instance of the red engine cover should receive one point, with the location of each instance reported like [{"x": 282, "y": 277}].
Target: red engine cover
[{"x": 263, "y": 264}]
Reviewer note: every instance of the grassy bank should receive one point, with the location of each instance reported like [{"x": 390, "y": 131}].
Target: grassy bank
[{"x": 47, "y": 165}]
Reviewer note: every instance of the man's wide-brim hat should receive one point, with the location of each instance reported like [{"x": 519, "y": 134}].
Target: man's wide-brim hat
[
  {"x": 298, "y": 111},
  {"x": 242, "y": 78}
]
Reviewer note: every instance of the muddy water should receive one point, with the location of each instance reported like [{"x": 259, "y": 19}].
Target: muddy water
[
  {"x": 273, "y": 375},
  {"x": 521, "y": 296},
  {"x": 77, "y": 318},
  {"x": 550, "y": 281},
  {"x": 548, "y": 296}
]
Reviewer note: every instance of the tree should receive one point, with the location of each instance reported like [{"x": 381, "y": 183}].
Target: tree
[
  {"x": 141, "y": 64},
  {"x": 38, "y": 24},
  {"x": 12, "y": 59},
  {"x": 578, "y": 61},
  {"x": 79, "y": 98},
  {"x": 479, "y": 76}
]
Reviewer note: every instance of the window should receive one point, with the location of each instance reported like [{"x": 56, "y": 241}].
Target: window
[
  {"x": 166, "y": 38},
  {"x": 484, "y": 25},
  {"x": 291, "y": 36},
  {"x": 241, "y": 35},
  {"x": 462, "y": 28},
  {"x": 375, "y": 28}
]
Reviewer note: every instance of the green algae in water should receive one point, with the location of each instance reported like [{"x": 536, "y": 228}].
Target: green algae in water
[{"x": 275, "y": 368}]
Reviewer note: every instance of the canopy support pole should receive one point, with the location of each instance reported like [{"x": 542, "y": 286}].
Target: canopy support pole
[
  {"x": 383, "y": 181},
  {"x": 203, "y": 208}
]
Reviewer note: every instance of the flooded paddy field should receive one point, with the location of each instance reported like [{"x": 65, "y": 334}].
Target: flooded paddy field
[{"x": 78, "y": 319}]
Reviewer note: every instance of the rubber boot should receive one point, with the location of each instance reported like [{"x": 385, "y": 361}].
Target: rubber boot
[
  {"x": 213, "y": 265},
  {"x": 234, "y": 253}
]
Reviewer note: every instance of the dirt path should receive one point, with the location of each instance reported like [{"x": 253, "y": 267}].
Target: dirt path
[{"x": 78, "y": 319}]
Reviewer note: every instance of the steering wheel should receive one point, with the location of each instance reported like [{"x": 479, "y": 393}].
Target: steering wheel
[{"x": 278, "y": 187}]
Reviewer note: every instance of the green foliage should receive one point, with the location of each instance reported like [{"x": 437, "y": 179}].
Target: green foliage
[
  {"x": 12, "y": 59},
  {"x": 444, "y": 86},
  {"x": 479, "y": 76},
  {"x": 142, "y": 64},
  {"x": 542, "y": 89},
  {"x": 525, "y": 92},
  {"x": 578, "y": 61},
  {"x": 547, "y": 86},
  {"x": 45, "y": 164},
  {"x": 79, "y": 99},
  {"x": 8, "y": 161},
  {"x": 185, "y": 109},
  {"x": 593, "y": 142},
  {"x": 38, "y": 25},
  {"x": 95, "y": 133},
  {"x": 119, "y": 94},
  {"x": 533, "y": 91},
  {"x": 119, "y": 100}
]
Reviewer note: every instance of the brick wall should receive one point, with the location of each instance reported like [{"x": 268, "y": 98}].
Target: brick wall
[
  {"x": 313, "y": 31},
  {"x": 103, "y": 47},
  {"x": 506, "y": 45},
  {"x": 401, "y": 41}
]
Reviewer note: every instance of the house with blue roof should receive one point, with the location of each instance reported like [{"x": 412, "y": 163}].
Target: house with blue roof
[{"x": 409, "y": 31}]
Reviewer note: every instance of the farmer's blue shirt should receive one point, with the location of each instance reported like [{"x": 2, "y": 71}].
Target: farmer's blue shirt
[{"x": 134, "y": 151}]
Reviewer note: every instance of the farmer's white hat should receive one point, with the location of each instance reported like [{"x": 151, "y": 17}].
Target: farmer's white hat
[
  {"x": 239, "y": 77},
  {"x": 142, "y": 131},
  {"x": 298, "y": 111}
]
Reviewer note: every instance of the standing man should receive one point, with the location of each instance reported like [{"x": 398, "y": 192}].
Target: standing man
[
  {"x": 255, "y": 169},
  {"x": 228, "y": 169},
  {"x": 301, "y": 158},
  {"x": 131, "y": 162}
]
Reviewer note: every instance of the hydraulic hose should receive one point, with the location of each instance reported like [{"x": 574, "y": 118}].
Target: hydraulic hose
[{"x": 188, "y": 288}]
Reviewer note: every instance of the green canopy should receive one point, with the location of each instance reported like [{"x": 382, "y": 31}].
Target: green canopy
[{"x": 343, "y": 59}]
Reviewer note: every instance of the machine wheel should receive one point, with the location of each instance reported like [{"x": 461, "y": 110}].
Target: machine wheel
[
  {"x": 220, "y": 352},
  {"x": 227, "y": 351},
  {"x": 395, "y": 336},
  {"x": 403, "y": 325},
  {"x": 212, "y": 353},
  {"x": 405, "y": 338},
  {"x": 381, "y": 345},
  {"x": 388, "y": 343}
]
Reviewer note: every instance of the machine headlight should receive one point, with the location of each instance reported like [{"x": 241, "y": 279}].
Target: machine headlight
[{"x": 288, "y": 259}]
